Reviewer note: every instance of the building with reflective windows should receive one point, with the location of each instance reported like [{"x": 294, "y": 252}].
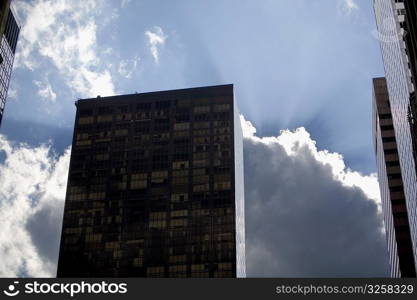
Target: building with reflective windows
[
  {"x": 391, "y": 21},
  {"x": 155, "y": 187},
  {"x": 391, "y": 186},
  {"x": 410, "y": 27},
  {"x": 9, "y": 32}
]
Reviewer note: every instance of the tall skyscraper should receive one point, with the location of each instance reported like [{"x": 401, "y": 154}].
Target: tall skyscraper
[
  {"x": 391, "y": 21},
  {"x": 391, "y": 186},
  {"x": 155, "y": 187},
  {"x": 9, "y": 32},
  {"x": 410, "y": 26}
]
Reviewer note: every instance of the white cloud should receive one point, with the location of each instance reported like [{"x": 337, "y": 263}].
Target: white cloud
[
  {"x": 65, "y": 32},
  {"x": 307, "y": 215},
  {"x": 45, "y": 90},
  {"x": 32, "y": 190},
  {"x": 156, "y": 40},
  {"x": 348, "y": 6},
  {"x": 12, "y": 93},
  {"x": 124, "y": 3},
  {"x": 294, "y": 141},
  {"x": 128, "y": 66}
]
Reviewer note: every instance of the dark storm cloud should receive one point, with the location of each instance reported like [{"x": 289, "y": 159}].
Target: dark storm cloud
[{"x": 303, "y": 222}]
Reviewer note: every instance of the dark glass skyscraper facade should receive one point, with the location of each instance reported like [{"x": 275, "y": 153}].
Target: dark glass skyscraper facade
[
  {"x": 391, "y": 186},
  {"x": 9, "y": 35},
  {"x": 155, "y": 187}
]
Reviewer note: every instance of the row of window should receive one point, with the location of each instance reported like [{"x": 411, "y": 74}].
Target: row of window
[
  {"x": 160, "y": 107},
  {"x": 103, "y": 118}
]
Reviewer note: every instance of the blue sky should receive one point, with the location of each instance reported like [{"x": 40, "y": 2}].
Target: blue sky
[{"x": 293, "y": 63}]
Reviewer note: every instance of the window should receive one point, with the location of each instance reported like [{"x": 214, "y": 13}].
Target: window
[
  {"x": 201, "y": 187},
  {"x": 100, "y": 157},
  {"x": 155, "y": 271},
  {"x": 139, "y": 181},
  {"x": 179, "y": 222},
  {"x": 138, "y": 262},
  {"x": 97, "y": 196},
  {"x": 78, "y": 197},
  {"x": 163, "y": 104},
  {"x": 157, "y": 220},
  {"x": 221, "y": 107},
  {"x": 179, "y": 180},
  {"x": 200, "y": 179},
  {"x": 222, "y": 130},
  {"x": 199, "y": 268},
  {"x": 82, "y": 136},
  {"x": 181, "y": 134},
  {"x": 143, "y": 115},
  {"x": 104, "y": 118},
  {"x": 179, "y": 269},
  {"x": 182, "y": 102},
  {"x": 93, "y": 238},
  {"x": 123, "y": 117},
  {"x": 180, "y": 173},
  {"x": 201, "y": 109},
  {"x": 198, "y": 125},
  {"x": 143, "y": 106},
  {"x": 201, "y": 140},
  {"x": 180, "y": 165},
  {"x": 384, "y": 116},
  {"x": 200, "y": 155},
  {"x": 390, "y": 151},
  {"x": 85, "y": 120},
  {"x": 174, "y": 259},
  {"x": 97, "y": 188},
  {"x": 159, "y": 176},
  {"x": 201, "y": 163},
  {"x": 200, "y": 132},
  {"x": 392, "y": 163},
  {"x": 202, "y": 171},
  {"x": 179, "y": 213},
  {"x": 157, "y": 224},
  {"x": 121, "y": 132},
  {"x": 179, "y": 197},
  {"x": 387, "y": 127},
  {"x": 181, "y": 126}
]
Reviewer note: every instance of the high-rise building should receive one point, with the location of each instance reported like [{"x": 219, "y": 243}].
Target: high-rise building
[
  {"x": 9, "y": 32},
  {"x": 155, "y": 187},
  {"x": 399, "y": 243},
  {"x": 410, "y": 26},
  {"x": 391, "y": 21},
  {"x": 410, "y": 37}
]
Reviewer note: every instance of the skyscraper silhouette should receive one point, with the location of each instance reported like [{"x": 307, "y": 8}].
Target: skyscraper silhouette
[{"x": 155, "y": 187}]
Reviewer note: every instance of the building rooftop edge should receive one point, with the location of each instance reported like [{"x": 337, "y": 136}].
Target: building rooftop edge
[{"x": 158, "y": 92}]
